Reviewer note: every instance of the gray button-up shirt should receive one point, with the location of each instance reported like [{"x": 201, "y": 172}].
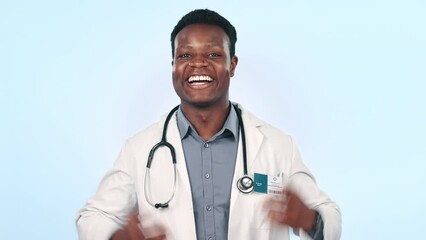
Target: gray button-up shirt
[{"x": 210, "y": 167}]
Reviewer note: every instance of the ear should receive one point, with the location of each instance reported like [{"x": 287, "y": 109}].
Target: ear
[{"x": 234, "y": 62}]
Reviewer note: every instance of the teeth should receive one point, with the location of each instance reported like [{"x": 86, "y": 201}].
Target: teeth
[{"x": 200, "y": 78}]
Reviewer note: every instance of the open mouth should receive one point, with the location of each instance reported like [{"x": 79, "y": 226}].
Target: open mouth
[{"x": 199, "y": 79}]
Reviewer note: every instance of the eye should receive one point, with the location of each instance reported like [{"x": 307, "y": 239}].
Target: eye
[
  {"x": 213, "y": 54},
  {"x": 183, "y": 56}
]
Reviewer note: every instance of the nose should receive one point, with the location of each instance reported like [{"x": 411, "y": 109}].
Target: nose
[{"x": 198, "y": 61}]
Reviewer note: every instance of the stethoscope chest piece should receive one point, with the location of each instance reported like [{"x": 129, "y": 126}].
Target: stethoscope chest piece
[{"x": 245, "y": 184}]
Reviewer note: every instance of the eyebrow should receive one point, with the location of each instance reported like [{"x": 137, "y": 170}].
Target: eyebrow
[{"x": 206, "y": 45}]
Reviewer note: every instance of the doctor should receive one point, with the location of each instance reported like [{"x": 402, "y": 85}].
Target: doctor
[{"x": 203, "y": 199}]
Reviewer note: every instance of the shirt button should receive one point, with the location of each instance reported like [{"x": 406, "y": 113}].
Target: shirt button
[
  {"x": 209, "y": 208},
  {"x": 206, "y": 145},
  {"x": 207, "y": 176}
]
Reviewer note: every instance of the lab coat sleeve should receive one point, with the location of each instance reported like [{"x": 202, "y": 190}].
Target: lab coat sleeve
[
  {"x": 303, "y": 183},
  {"x": 115, "y": 200}
]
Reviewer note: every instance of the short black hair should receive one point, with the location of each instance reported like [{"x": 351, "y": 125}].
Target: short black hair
[{"x": 206, "y": 16}]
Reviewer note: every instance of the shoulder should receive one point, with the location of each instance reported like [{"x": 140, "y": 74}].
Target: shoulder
[
  {"x": 269, "y": 131},
  {"x": 273, "y": 148}
]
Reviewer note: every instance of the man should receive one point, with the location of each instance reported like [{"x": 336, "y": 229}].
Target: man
[{"x": 199, "y": 198}]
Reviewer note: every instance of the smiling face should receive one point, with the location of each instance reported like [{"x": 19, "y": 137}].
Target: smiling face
[{"x": 202, "y": 66}]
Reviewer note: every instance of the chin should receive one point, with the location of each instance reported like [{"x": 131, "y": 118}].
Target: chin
[
  {"x": 205, "y": 103},
  {"x": 200, "y": 104}
]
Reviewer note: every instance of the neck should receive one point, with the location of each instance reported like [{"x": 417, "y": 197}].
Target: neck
[{"x": 207, "y": 121}]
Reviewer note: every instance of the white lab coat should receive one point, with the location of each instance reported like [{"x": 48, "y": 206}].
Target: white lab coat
[{"x": 269, "y": 151}]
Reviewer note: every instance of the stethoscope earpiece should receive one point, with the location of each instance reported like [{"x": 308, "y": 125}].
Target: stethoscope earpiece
[{"x": 161, "y": 205}]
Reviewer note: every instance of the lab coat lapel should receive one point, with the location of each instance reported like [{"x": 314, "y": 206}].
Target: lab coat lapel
[
  {"x": 183, "y": 184},
  {"x": 182, "y": 201},
  {"x": 254, "y": 140}
]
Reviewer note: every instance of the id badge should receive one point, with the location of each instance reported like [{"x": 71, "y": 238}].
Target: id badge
[{"x": 268, "y": 184}]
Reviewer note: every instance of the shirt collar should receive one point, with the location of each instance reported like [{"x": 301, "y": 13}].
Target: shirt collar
[{"x": 185, "y": 127}]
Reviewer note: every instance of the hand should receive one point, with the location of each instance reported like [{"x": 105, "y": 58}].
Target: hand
[
  {"x": 133, "y": 231},
  {"x": 289, "y": 210}
]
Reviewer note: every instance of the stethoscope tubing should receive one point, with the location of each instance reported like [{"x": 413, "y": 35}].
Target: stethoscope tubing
[{"x": 244, "y": 184}]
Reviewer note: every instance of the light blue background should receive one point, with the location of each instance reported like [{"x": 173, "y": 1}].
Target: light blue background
[{"x": 345, "y": 78}]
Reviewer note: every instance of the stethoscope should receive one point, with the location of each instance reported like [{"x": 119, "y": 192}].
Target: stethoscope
[{"x": 244, "y": 184}]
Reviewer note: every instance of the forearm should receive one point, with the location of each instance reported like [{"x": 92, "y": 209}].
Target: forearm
[
  {"x": 108, "y": 210},
  {"x": 91, "y": 225}
]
